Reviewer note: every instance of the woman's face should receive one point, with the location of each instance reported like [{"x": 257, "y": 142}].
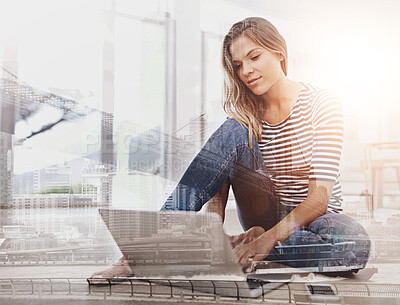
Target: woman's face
[{"x": 258, "y": 68}]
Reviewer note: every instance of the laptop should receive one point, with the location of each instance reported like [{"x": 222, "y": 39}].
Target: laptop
[{"x": 179, "y": 245}]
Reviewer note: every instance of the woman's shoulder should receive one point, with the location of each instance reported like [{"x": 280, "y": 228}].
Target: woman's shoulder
[
  {"x": 317, "y": 92},
  {"x": 320, "y": 97}
]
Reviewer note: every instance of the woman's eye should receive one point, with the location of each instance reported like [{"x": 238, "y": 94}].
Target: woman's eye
[
  {"x": 255, "y": 57},
  {"x": 237, "y": 66}
]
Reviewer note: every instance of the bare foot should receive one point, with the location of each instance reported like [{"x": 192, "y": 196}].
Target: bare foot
[
  {"x": 120, "y": 269},
  {"x": 246, "y": 237}
]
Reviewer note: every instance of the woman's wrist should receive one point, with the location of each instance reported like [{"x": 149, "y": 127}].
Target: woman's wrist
[
  {"x": 269, "y": 237},
  {"x": 280, "y": 232}
]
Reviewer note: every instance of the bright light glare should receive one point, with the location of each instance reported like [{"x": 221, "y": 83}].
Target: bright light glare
[
  {"x": 58, "y": 43},
  {"x": 363, "y": 68},
  {"x": 18, "y": 17}
]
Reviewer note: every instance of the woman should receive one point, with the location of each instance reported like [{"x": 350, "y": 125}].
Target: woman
[{"x": 280, "y": 152}]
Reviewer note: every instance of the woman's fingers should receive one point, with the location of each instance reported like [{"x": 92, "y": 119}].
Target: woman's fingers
[
  {"x": 249, "y": 255},
  {"x": 253, "y": 249},
  {"x": 252, "y": 262},
  {"x": 245, "y": 259},
  {"x": 248, "y": 239},
  {"x": 255, "y": 231},
  {"x": 236, "y": 239},
  {"x": 244, "y": 254},
  {"x": 233, "y": 240}
]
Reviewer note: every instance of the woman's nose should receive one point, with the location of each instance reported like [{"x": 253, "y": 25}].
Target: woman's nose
[{"x": 247, "y": 69}]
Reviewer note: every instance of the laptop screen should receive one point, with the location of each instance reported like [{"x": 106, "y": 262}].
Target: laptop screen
[{"x": 168, "y": 244}]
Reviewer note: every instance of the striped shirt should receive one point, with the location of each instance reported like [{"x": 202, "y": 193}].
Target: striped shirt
[{"x": 305, "y": 146}]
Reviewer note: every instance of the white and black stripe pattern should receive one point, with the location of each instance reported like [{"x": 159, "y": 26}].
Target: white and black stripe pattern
[{"x": 305, "y": 146}]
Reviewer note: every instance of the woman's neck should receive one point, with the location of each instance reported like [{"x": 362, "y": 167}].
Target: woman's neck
[
  {"x": 282, "y": 93},
  {"x": 280, "y": 99}
]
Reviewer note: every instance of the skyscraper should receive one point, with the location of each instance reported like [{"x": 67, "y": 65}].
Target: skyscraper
[
  {"x": 7, "y": 122},
  {"x": 6, "y": 176}
]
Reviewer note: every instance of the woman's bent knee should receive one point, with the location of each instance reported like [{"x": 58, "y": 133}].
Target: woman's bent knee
[
  {"x": 232, "y": 128},
  {"x": 332, "y": 224},
  {"x": 339, "y": 228}
]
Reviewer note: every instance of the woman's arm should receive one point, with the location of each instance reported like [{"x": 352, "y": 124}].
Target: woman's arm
[
  {"x": 315, "y": 205},
  {"x": 311, "y": 208}
]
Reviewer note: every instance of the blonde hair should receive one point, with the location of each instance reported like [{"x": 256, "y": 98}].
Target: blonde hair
[{"x": 240, "y": 103}]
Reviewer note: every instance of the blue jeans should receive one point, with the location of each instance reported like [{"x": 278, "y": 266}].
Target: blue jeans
[{"x": 227, "y": 156}]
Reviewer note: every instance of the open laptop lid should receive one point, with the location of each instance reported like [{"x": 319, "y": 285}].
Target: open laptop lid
[{"x": 173, "y": 244}]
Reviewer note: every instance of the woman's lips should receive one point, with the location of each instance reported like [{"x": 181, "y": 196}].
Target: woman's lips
[{"x": 253, "y": 81}]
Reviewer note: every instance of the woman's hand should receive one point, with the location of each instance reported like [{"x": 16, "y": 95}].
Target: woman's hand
[
  {"x": 250, "y": 254},
  {"x": 246, "y": 237}
]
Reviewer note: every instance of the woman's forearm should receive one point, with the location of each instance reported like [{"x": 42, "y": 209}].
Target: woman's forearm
[
  {"x": 311, "y": 208},
  {"x": 301, "y": 216}
]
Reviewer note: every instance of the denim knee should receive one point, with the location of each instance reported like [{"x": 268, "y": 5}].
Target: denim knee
[
  {"x": 239, "y": 135},
  {"x": 335, "y": 228},
  {"x": 332, "y": 224},
  {"x": 236, "y": 130}
]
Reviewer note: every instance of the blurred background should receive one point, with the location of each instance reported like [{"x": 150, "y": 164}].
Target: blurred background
[{"x": 105, "y": 103}]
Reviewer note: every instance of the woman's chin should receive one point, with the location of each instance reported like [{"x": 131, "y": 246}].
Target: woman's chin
[{"x": 258, "y": 92}]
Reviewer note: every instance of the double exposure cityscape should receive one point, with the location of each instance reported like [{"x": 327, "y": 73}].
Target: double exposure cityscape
[{"x": 105, "y": 104}]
